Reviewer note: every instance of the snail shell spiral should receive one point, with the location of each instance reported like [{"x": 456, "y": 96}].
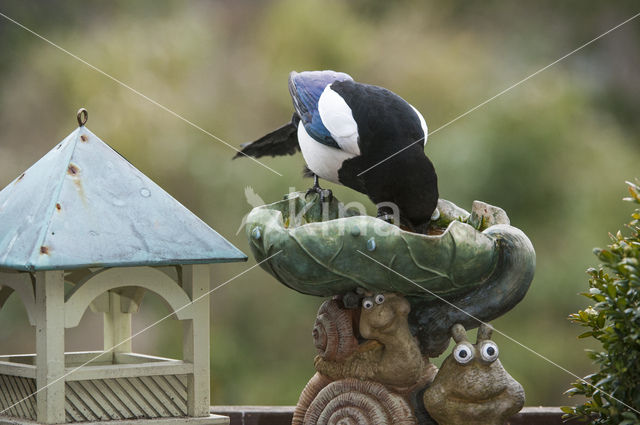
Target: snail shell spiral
[
  {"x": 333, "y": 333},
  {"x": 354, "y": 402},
  {"x": 311, "y": 390}
]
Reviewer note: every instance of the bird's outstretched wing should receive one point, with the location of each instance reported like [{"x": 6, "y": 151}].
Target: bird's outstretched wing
[{"x": 283, "y": 141}]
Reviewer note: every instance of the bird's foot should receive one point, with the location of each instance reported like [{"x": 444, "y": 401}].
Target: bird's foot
[
  {"x": 326, "y": 195},
  {"x": 386, "y": 214}
]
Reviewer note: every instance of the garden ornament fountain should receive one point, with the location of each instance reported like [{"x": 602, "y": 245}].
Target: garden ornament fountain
[{"x": 395, "y": 300}]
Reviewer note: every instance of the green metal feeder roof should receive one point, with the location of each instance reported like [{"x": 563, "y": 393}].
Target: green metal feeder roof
[{"x": 83, "y": 204}]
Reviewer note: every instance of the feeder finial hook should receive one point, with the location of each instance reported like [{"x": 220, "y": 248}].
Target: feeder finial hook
[{"x": 82, "y": 116}]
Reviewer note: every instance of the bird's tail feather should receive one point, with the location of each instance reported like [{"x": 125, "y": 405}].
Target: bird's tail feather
[{"x": 283, "y": 141}]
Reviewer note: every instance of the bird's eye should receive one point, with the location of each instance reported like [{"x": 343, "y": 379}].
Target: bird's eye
[
  {"x": 379, "y": 299},
  {"x": 463, "y": 353},
  {"x": 367, "y": 303},
  {"x": 489, "y": 351}
]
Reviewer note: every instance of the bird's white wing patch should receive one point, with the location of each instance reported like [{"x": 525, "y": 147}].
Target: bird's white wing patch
[
  {"x": 423, "y": 124},
  {"x": 338, "y": 119}
]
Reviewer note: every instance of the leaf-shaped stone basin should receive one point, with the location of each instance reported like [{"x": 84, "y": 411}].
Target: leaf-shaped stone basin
[
  {"x": 477, "y": 269},
  {"x": 328, "y": 255}
]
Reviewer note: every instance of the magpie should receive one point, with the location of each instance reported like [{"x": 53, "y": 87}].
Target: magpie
[{"x": 362, "y": 136}]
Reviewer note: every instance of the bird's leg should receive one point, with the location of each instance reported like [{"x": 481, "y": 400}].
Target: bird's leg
[
  {"x": 386, "y": 213},
  {"x": 325, "y": 194}
]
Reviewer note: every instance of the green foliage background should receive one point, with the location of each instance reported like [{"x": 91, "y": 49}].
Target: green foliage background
[
  {"x": 613, "y": 319},
  {"x": 553, "y": 152}
]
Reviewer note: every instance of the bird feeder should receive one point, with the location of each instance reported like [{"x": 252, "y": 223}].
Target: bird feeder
[{"x": 82, "y": 228}]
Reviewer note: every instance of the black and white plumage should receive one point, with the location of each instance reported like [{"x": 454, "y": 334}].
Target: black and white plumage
[{"x": 344, "y": 128}]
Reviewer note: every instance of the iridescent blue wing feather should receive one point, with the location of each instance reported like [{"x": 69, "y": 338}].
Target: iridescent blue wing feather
[{"x": 305, "y": 89}]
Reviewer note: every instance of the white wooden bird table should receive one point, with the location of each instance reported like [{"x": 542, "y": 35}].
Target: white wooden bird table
[{"x": 82, "y": 228}]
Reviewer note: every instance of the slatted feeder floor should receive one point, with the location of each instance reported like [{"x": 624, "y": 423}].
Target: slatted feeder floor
[
  {"x": 138, "y": 387},
  {"x": 82, "y": 228}
]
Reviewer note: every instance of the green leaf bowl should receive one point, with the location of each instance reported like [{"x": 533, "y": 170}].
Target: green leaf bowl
[{"x": 475, "y": 269}]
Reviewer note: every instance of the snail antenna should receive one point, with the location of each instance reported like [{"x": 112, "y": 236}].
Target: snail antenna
[{"x": 458, "y": 333}]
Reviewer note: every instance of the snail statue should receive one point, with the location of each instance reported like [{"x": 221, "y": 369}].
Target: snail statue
[
  {"x": 372, "y": 382},
  {"x": 472, "y": 387},
  {"x": 390, "y": 354}
]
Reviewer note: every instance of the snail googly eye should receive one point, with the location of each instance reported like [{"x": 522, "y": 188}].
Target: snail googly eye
[
  {"x": 367, "y": 303},
  {"x": 463, "y": 353},
  {"x": 489, "y": 351},
  {"x": 379, "y": 299}
]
